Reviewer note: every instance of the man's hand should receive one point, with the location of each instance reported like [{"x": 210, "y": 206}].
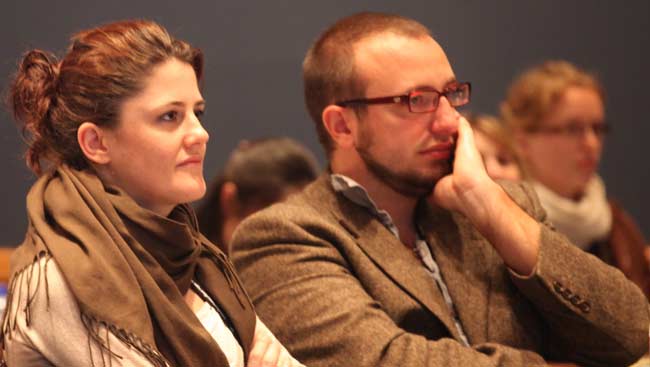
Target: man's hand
[
  {"x": 470, "y": 191},
  {"x": 267, "y": 350},
  {"x": 465, "y": 188}
]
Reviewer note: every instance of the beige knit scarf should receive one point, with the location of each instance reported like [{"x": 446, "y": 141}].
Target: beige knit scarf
[{"x": 584, "y": 221}]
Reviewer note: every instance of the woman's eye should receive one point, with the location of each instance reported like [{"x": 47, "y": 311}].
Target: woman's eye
[
  {"x": 169, "y": 116},
  {"x": 199, "y": 113}
]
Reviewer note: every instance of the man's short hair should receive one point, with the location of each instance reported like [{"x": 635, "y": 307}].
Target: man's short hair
[{"x": 329, "y": 67}]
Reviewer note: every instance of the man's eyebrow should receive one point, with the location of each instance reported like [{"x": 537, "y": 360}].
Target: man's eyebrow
[{"x": 449, "y": 82}]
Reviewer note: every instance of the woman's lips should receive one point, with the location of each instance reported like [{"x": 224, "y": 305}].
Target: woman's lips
[{"x": 191, "y": 161}]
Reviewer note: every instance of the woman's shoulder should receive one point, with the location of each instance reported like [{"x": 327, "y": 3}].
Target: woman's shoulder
[
  {"x": 622, "y": 221},
  {"x": 39, "y": 286},
  {"x": 44, "y": 326}
]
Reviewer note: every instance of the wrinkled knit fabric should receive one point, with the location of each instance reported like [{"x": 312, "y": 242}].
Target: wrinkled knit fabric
[{"x": 584, "y": 221}]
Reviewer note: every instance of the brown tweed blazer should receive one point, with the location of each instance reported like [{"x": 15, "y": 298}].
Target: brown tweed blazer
[{"x": 338, "y": 289}]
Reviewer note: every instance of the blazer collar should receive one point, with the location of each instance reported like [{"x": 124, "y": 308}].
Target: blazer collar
[{"x": 400, "y": 264}]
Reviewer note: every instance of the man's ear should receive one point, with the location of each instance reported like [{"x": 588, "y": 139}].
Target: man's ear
[
  {"x": 92, "y": 141},
  {"x": 338, "y": 123},
  {"x": 228, "y": 200}
]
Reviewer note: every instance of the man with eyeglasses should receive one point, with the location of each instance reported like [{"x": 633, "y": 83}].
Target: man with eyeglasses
[{"x": 406, "y": 253}]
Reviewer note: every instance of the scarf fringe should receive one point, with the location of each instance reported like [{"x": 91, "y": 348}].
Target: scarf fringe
[
  {"x": 230, "y": 272},
  {"x": 92, "y": 324},
  {"x": 10, "y": 317},
  {"x": 94, "y": 327}
]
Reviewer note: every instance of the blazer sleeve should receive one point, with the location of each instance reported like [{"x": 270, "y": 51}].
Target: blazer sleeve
[
  {"x": 595, "y": 315},
  {"x": 305, "y": 290}
]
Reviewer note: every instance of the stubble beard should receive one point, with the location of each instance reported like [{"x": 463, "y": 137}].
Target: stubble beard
[{"x": 409, "y": 184}]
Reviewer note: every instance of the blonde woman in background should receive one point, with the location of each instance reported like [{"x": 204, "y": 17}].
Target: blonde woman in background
[{"x": 557, "y": 114}]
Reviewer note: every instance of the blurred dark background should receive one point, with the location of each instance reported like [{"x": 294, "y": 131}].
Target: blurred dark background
[{"x": 254, "y": 51}]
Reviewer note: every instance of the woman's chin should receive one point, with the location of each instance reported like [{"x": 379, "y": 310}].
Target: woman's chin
[{"x": 197, "y": 193}]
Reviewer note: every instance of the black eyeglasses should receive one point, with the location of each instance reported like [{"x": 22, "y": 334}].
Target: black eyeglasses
[
  {"x": 573, "y": 130},
  {"x": 421, "y": 100}
]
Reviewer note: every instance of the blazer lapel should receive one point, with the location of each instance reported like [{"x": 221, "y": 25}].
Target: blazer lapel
[
  {"x": 400, "y": 264},
  {"x": 461, "y": 255}
]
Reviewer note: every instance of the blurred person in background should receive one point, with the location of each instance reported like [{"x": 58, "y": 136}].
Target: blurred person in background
[
  {"x": 557, "y": 114},
  {"x": 257, "y": 174}
]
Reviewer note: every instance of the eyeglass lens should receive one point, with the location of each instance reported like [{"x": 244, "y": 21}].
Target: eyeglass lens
[
  {"x": 599, "y": 129},
  {"x": 576, "y": 129},
  {"x": 427, "y": 100}
]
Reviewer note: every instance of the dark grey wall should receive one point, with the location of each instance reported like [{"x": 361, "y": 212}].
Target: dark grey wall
[{"x": 254, "y": 51}]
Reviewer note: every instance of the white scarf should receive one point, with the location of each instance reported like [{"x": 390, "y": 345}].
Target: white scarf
[{"x": 585, "y": 221}]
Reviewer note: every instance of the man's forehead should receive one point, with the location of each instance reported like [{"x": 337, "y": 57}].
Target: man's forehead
[
  {"x": 388, "y": 39},
  {"x": 402, "y": 61}
]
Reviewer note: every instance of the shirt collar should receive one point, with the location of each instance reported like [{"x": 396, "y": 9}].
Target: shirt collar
[{"x": 353, "y": 191}]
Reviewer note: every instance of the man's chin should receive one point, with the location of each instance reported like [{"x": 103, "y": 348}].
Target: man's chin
[
  {"x": 423, "y": 185},
  {"x": 411, "y": 186}
]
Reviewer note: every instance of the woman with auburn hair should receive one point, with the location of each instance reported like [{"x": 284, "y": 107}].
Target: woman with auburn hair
[
  {"x": 557, "y": 114},
  {"x": 113, "y": 270}
]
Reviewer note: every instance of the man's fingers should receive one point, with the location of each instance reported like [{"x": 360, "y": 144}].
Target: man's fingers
[{"x": 466, "y": 140}]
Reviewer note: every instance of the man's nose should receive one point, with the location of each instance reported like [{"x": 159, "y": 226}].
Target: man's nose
[{"x": 445, "y": 119}]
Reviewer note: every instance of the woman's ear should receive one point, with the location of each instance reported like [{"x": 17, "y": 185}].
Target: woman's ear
[
  {"x": 92, "y": 141},
  {"x": 338, "y": 123}
]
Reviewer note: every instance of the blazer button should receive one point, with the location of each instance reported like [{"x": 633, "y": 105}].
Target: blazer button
[
  {"x": 576, "y": 300},
  {"x": 567, "y": 294},
  {"x": 584, "y": 307}
]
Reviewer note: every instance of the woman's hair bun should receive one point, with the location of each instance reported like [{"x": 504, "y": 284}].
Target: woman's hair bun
[{"x": 31, "y": 95}]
